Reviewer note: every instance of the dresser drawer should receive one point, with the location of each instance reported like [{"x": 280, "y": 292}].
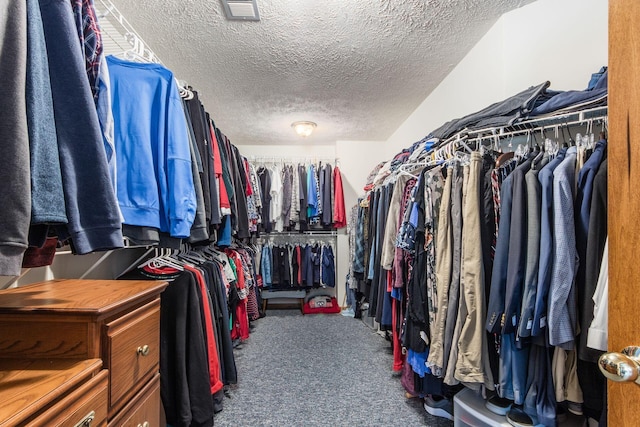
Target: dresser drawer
[
  {"x": 86, "y": 406},
  {"x": 31, "y": 388},
  {"x": 132, "y": 352},
  {"x": 143, "y": 410}
]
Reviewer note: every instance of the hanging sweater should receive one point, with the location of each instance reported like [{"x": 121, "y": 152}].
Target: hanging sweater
[
  {"x": 15, "y": 191},
  {"x": 91, "y": 207},
  {"x": 47, "y": 197},
  {"x": 155, "y": 182}
]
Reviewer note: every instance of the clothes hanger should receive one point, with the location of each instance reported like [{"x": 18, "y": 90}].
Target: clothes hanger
[
  {"x": 136, "y": 53},
  {"x": 460, "y": 142},
  {"x": 496, "y": 142},
  {"x": 185, "y": 92},
  {"x": 402, "y": 171},
  {"x": 163, "y": 260},
  {"x": 570, "y": 142},
  {"x": 504, "y": 157}
]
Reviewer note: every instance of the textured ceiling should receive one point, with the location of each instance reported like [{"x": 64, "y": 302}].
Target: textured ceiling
[{"x": 357, "y": 68}]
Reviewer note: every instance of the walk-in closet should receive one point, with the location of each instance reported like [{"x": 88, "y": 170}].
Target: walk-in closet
[{"x": 292, "y": 213}]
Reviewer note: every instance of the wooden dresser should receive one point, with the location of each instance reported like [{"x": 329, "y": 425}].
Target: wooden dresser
[{"x": 74, "y": 350}]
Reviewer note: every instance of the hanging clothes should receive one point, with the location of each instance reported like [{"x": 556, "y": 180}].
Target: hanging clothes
[
  {"x": 276, "y": 199},
  {"x": 47, "y": 197},
  {"x": 312, "y": 194},
  {"x": 301, "y": 197},
  {"x": 166, "y": 200},
  {"x": 265, "y": 188},
  {"x": 91, "y": 207},
  {"x": 326, "y": 188},
  {"x": 297, "y": 265},
  {"x": 339, "y": 212}
]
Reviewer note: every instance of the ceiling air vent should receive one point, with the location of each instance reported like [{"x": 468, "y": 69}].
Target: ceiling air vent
[{"x": 241, "y": 10}]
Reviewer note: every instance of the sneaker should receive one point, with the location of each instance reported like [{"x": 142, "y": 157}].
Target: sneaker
[
  {"x": 574, "y": 408},
  {"x": 442, "y": 407},
  {"x": 518, "y": 418},
  {"x": 348, "y": 312},
  {"x": 498, "y": 405}
]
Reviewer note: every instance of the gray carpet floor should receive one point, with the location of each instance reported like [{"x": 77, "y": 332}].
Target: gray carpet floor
[{"x": 318, "y": 370}]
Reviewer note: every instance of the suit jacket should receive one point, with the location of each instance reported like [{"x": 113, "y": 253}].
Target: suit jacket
[
  {"x": 593, "y": 258},
  {"x": 533, "y": 251},
  {"x": 495, "y": 309},
  {"x": 546, "y": 244},
  {"x": 562, "y": 316},
  {"x": 516, "y": 260}
]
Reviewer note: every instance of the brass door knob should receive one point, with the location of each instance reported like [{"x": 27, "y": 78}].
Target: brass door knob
[{"x": 623, "y": 366}]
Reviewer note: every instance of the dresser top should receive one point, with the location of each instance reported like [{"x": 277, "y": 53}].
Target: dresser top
[{"x": 78, "y": 296}]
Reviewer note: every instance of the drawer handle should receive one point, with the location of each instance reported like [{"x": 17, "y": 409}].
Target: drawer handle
[
  {"x": 87, "y": 420},
  {"x": 144, "y": 424},
  {"x": 143, "y": 350}
]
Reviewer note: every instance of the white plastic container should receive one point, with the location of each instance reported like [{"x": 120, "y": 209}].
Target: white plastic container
[{"x": 469, "y": 411}]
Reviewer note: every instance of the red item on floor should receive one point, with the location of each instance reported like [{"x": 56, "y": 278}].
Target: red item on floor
[{"x": 335, "y": 308}]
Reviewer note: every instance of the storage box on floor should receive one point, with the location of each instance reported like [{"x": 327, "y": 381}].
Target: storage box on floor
[{"x": 469, "y": 411}]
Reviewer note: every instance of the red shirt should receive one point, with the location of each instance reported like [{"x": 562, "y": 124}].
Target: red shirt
[{"x": 339, "y": 213}]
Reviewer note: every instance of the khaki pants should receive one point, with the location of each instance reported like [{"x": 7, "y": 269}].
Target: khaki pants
[
  {"x": 565, "y": 376},
  {"x": 472, "y": 365},
  {"x": 444, "y": 238}
]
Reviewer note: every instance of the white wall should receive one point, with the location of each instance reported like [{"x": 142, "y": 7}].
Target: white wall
[
  {"x": 356, "y": 159},
  {"x": 562, "y": 41},
  {"x": 97, "y": 265},
  {"x": 303, "y": 150}
]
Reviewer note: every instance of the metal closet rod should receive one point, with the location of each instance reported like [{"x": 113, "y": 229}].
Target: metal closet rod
[
  {"x": 291, "y": 159},
  {"x": 532, "y": 131},
  {"x": 464, "y": 138},
  {"x": 304, "y": 233},
  {"x": 524, "y": 127},
  {"x": 538, "y": 123}
]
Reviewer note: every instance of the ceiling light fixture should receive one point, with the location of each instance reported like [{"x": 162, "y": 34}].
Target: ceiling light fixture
[{"x": 303, "y": 128}]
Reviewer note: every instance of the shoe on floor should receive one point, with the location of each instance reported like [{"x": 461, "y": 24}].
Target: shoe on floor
[
  {"x": 498, "y": 405},
  {"x": 348, "y": 312},
  {"x": 518, "y": 418},
  {"x": 441, "y": 407},
  {"x": 574, "y": 408}
]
